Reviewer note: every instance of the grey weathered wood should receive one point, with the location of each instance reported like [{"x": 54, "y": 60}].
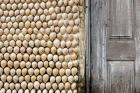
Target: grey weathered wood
[
  {"x": 97, "y": 26},
  {"x": 100, "y": 24},
  {"x": 137, "y": 40},
  {"x": 121, "y": 18},
  {"x": 121, "y": 50},
  {"x": 87, "y": 28},
  {"x": 121, "y": 77}
]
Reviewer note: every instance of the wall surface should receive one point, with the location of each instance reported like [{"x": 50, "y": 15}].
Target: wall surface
[{"x": 42, "y": 46}]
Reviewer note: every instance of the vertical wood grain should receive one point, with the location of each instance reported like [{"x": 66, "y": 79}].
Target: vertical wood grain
[
  {"x": 137, "y": 39},
  {"x": 87, "y": 28},
  {"x": 121, "y": 77},
  {"x": 121, "y": 18},
  {"x": 99, "y": 26},
  {"x": 97, "y": 67},
  {"x": 121, "y": 47}
]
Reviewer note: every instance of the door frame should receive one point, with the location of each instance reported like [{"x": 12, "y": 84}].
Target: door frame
[
  {"x": 95, "y": 25},
  {"x": 87, "y": 58}
]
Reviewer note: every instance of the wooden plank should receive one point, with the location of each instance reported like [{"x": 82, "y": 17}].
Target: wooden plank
[
  {"x": 121, "y": 77},
  {"x": 96, "y": 45},
  {"x": 87, "y": 63},
  {"x": 121, "y": 18},
  {"x": 121, "y": 50},
  {"x": 137, "y": 38}
]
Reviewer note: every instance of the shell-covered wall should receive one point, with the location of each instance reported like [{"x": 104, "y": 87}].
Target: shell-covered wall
[{"x": 40, "y": 45}]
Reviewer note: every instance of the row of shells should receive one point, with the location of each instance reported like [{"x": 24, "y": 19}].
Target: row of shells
[
  {"x": 7, "y": 65},
  {"x": 38, "y": 71},
  {"x": 36, "y": 23},
  {"x": 37, "y": 43},
  {"x": 36, "y": 85},
  {"x": 37, "y": 58},
  {"x": 40, "y": 78},
  {"x": 37, "y": 91},
  {"x": 19, "y": 4}
]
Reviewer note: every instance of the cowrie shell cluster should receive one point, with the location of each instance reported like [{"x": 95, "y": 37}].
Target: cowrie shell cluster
[{"x": 39, "y": 46}]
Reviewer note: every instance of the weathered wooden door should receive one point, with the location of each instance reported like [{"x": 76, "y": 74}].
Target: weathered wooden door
[{"x": 114, "y": 46}]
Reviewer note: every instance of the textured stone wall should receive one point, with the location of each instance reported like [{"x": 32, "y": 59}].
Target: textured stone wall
[{"x": 40, "y": 45}]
